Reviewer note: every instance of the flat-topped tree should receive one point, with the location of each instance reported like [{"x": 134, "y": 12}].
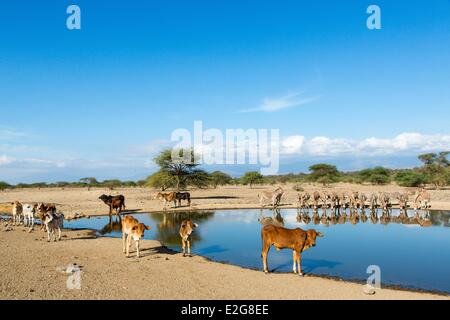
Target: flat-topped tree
[{"x": 181, "y": 167}]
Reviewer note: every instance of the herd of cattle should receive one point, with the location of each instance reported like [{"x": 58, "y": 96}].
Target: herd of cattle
[
  {"x": 52, "y": 220},
  {"x": 272, "y": 234}
]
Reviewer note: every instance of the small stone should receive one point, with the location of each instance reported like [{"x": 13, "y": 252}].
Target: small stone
[{"x": 167, "y": 259}]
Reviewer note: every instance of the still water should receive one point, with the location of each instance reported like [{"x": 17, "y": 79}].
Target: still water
[{"x": 409, "y": 255}]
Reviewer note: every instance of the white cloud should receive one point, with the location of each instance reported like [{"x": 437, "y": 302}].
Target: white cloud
[
  {"x": 279, "y": 103},
  {"x": 292, "y": 144},
  {"x": 403, "y": 143}
]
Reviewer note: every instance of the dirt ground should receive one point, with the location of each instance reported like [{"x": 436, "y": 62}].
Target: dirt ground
[
  {"x": 73, "y": 201},
  {"x": 32, "y": 268}
]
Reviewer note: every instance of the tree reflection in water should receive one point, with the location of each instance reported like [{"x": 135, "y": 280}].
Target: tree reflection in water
[{"x": 168, "y": 225}]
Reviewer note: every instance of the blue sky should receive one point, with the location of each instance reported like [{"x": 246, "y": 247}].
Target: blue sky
[{"x": 101, "y": 101}]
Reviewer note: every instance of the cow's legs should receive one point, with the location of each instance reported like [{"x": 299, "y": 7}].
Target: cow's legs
[
  {"x": 123, "y": 242},
  {"x": 137, "y": 248},
  {"x": 128, "y": 244},
  {"x": 189, "y": 248},
  {"x": 59, "y": 234},
  {"x": 183, "y": 246},
  {"x": 264, "y": 252},
  {"x": 294, "y": 259},
  {"x": 297, "y": 253}
]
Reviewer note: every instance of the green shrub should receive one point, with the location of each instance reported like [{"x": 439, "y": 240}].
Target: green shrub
[{"x": 410, "y": 179}]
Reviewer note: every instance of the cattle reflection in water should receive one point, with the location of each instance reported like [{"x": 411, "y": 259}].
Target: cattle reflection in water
[
  {"x": 114, "y": 225},
  {"x": 168, "y": 225}
]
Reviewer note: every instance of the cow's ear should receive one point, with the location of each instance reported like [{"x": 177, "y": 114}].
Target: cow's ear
[
  {"x": 319, "y": 234},
  {"x": 148, "y": 227}
]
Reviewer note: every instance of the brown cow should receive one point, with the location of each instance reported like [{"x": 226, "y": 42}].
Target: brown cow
[
  {"x": 186, "y": 228},
  {"x": 42, "y": 209},
  {"x": 132, "y": 229},
  {"x": 167, "y": 197},
  {"x": 296, "y": 239},
  {"x": 17, "y": 212},
  {"x": 116, "y": 203}
]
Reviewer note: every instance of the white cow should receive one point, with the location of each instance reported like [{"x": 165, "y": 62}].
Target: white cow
[{"x": 28, "y": 214}]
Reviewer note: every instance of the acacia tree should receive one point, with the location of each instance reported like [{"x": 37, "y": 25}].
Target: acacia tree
[
  {"x": 323, "y": 173},
  {"x": 181, "y": 168},
  {"x": 161, "y": 180}
]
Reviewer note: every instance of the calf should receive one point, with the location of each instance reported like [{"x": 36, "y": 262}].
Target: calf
[
  {"x": 28, "y": 214},
  {"x": 44, "y": 208},
  {"x": 296, "y": 239},
  {"x": 53, "y": 222},
  {"x": 132, "y": 229},
  {"x": 183, "y": 196},
  {"x": 186, "y": 228},
  {"x": 114, "y": 202},
  {"x": 167, "y": 197},
  {"x": 17, "y": 211}
]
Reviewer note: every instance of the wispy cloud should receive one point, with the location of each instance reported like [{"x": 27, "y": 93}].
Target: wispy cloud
[
  {"x": 11, "y": 134},
  {"x": 287, "y": 101}
]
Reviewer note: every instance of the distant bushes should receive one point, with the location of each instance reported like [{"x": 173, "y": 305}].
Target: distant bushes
[
  {"x": 4, "y": 185},
  {"x": 175, "y": 175},
  {"x": 377, "y": 175},
  {"x": 410, "y": 178}
]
